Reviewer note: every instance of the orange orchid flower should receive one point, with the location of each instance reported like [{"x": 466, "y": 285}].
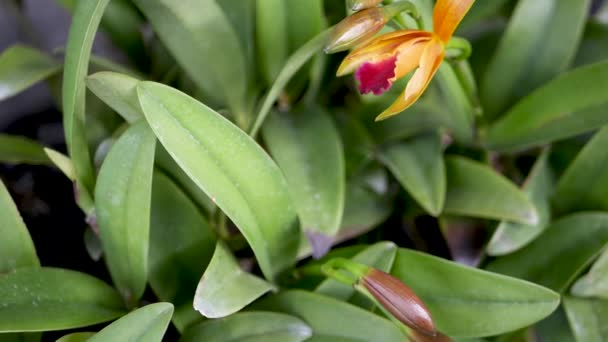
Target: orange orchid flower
[{"x": 381, "y": 61}]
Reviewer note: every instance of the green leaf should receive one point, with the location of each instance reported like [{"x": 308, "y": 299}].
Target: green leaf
[
  {"x": 148, "y": 323},
  {"x": 293, "y": 64},
  {"x": 85, "y": 22},
  {"x": 21, "y": 150},
  {"x": 474, "y": 189},
  {"x": 594, "y": 283},
  {"x": 21, "y": 67},
  {"x": 231, "y": 168},
  {"x": 271, "y": 37},
  {"x": 560, "y": 254},
  {"x": 76, "y": 337},
  {"x": 118, "y": 92},
  {"x": 43, "y": 299},
  {"x": 368, "y": 202},
  {"x": 538, "y": 186},
  {"x": 468, "y": 302},
  {"x": 554, "y": 328},
  {"x": 587, "y": 319},
  {"x": 225, "y": 288},
  {"x": 332, "y": 320},
  {"x": 181, "y": 245},
  {"x": 200, "y": 37},
  {"x": 62, "y": 162},
  {"x": 568, "y": 105},
  {"x": 418, "y": 165},
  {"x": 16, "y": 246},
  {"x": 380, "y": 256},
  {"x": 460, "y": 115},
  {"x": 540, "y": 42},
  {"x": 584, "y": 184},
  {"x": 307, "y": 147},
  {"x": 255, "y": 326},
  {"x": 122, "y": 206},
  {"x": 479, "y": 11}
]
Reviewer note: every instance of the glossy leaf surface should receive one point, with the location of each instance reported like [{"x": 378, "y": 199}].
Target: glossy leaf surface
[
  {"x": 16, "y": 149},
  {"x": 22, "y": 67},
  {"x": 587, "y": 318},
  {"x": 146, "y": 324}
]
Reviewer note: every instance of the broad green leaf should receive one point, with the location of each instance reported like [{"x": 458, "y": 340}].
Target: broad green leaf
[
  {"x": 418, "y": 165},
  {"x": 468, "y": 302},
  {"x": 62, "y": 162},
  {"x": 181, "y": 245},
  {"x": 368, "y": 202},
  {"x": 199, "y": 35},
  {"x": 254, "y": 326},
  {"x": 16, "y": 149},
  {"x": 118, "y": 92},
  {"x": 225, "y": 288},
  {"x": 380, "y": 256},
  {"x": 85, "y": 22},
  {"x": 554, "y": 328},
  {"x": 538, "y": 186},
  {"x": 539, "y": 43},
  {"x": 16, "y": 247},
  {"x": 474, "y": 189},
  {"x": 594, "y": 283},
  {"x": 593, "y": 49},
  {"x": 560, "y": 254},
  {"x": 307, "y": 147},
  {"x": 292, "y": 65},
  {"x": 566, "y": 106},
  {"x": 241, "y": 15},
  {"x": 457, "y": 104},
  {"x": 584, "y": 184},
  {"x": 305, "y": 20},
  {"x": 271, "y": 37},
  {"x": 479, "y": 11},
  {"x": 21, "y": 67},
  {"x": 76, "y": 337},
  {"x": 231, "y": 168},
  {"x": 330, "y": 319},
  {"x": 43, "y": 299},
  {"x": 587, "y": 318},
  {"x": 122, "y": 203},
  {"x": 146, "y": 324}
]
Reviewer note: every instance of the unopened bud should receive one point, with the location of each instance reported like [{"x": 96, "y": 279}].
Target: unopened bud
[
  {"x": 399, "y": 300},
  {"x": 363, "y": 25},
  {"x": 357, "y": 5}
]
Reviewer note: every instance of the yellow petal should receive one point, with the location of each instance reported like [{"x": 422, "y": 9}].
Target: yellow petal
[
  {"x": 379, "y": 48},
  {"x": 408, "y": 57},
  {"x": 429, "y": 63},
  {"x": 447, "y": 15}
]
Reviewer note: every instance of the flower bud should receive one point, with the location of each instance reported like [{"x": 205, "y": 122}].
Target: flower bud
[
  {"x": 400, "y": 301},
  {"x": 363, "y": 25},
  {"x": 357, "y": 5}
]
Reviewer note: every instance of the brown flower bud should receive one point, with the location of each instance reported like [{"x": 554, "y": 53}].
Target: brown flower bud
[
  {"x": 356, "y": 28},
  {"x": 400, "y": 301},
  {"x": 357, "y": 5}
]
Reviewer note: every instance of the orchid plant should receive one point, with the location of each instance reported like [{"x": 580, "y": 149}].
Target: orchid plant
[{"x": 238, "y": 185}]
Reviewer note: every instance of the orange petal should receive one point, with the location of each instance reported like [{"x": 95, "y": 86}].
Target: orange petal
[
  {"x": 447, "y": 15},
  {"x": 379, "y": 48},
  {"x": 408, "y": 57},
  {"x": 429, "y": 63}
]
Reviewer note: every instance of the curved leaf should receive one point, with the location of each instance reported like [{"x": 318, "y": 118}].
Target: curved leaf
[
  {"x": 85, "y": 22},
  {"x": 587, "y": 319},
  {"x": 231, "y": 168},
  {"x": 76, "y": 337},
  {"x": 21, "y": 67},
  {"x": 474, "y": 189},
  {"x": 148, "y": 323},
  {"x": 468, "y": 302},
  {"x": 203, "y": 42},
  {"x": 307, "y": 147},
  {"x": 418, "y": 165},
  {"x": 225, "y": 288},
  {"x": 16, "y": 246},
  {"x": 271, "y": 37},
  {"x": 62, "y": 162},
  {"x": 181, "y": 245},
  {"x": 16, "y": 149},
  {"x": 122, "y": 203},
  {"x": 43, "y": 299},
  {"x": 570, "y": 104},
  {"x": 510, "y": 236},
  {"x": 332, "y": 320},
  {"x": 584, "y": 184},
  {"x": 560, "y": 254},
  {"x": 117, "y": 91},
  {"x": 594, "y": 283},
  {"x": 255, "y": 326}
]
